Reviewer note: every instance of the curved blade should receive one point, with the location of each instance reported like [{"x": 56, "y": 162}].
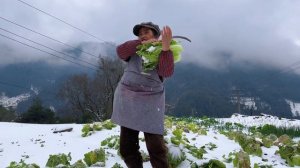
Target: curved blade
[{"x": 182, "y": 37}]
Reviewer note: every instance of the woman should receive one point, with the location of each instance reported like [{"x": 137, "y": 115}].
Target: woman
[{"x": 139, "y": 100}]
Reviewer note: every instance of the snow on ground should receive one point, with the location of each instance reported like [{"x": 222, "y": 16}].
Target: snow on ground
[
  {"x": 37, "y": 141},
  {"x": 20, "y": 139},
  {"x": 261, "y": 120}
]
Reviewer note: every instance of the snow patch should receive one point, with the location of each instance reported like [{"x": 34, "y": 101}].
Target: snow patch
[
  {"x": 52, "y": 108},
  {"x": 248, "y": 102},
  {"x": 295, "y": 107},
  {"x": 261, "y": 120},
  {"x": 13, "y": 102},
  {"x": 34, "y": 89}
]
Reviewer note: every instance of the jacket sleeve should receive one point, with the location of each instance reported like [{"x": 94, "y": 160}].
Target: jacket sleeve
[
  {"x": 165, "y": 66},
  {"x": 127, "y": 49}
]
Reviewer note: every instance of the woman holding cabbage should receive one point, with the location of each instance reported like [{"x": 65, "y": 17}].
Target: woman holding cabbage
[{"x": 139, "y": 99}]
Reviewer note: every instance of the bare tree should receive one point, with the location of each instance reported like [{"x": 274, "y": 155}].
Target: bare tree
[
  {"x": 93, "y": 95},
  {"x": 109, "y": 74}
]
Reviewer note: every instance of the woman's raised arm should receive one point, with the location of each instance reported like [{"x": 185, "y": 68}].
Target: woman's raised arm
[{"x": 127, "y": 49}]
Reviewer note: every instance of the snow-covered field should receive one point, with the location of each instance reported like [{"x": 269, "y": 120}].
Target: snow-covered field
[
  {"x": 35, "y": 142},
  {"x": 262, "y": 120}
]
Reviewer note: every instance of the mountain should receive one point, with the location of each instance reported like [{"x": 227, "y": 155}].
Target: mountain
[
  {"x": 21, "y": 82},
  {"x": 24, "y": 81},
  {"x": 198, "y": 91},
  {"x": 191, "y": 91}
]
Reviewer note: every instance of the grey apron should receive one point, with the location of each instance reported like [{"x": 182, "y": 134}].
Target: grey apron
[{"x": 139, "y": 99}]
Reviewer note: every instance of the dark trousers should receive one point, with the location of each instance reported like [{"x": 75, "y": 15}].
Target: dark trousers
[{"x": 129, "y": 149}]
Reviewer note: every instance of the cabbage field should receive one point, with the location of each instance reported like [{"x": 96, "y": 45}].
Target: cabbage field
[{"x": 240, "y": 141}]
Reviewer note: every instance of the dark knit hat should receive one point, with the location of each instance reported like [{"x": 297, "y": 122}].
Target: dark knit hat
[{"x": 150, "y": 25}]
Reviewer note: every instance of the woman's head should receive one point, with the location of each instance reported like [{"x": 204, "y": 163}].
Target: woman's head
[{"x": 146, "y": 30}]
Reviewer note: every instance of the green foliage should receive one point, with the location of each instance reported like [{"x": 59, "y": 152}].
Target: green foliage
[
  {"x": 257, "y": 135},
  {"x": 248, "y": 143},
  {"x": 238, "y": 125},
  {"x": 97, "y": 127},
  {"x": 229, "y": 127},
  {"x": 278, "y": 131},
  {"x": 230, "y": 134},
  {"x": 273, "y": 137},
  {"x": 89, "y": 129},
  {"x": 296, "y": 160},
  {"x": 117, "y": 165},
  {"x": 269, "y": 140},
  {"x": 290, "y": 154},
  {"x": 268, "y": 129},
  {"x": 208, "y": 122},
  {"x": 193, "y": 127},
  {"x": 286, "y": 152},
  {"x": 284, "y": 139},
  {"x": 107, "y": 124},
  {"x": 230, "y": 157},
  {"x": 78, "y": 164},
  {"x": 168, "y": 122},
  {"x": 38, "y": 114},
  {"x": 252, "y": 129},
  {"x": 145, "y": 157},
  {"x": 241, "y": 160},
  {"x": 86, "y": 130},
  {"x": 213, "y": 163},
  {"x": 196, "y": 152},
  {"x": 175, "y": 141},
  {"x": 112, "y": 142},
  {"x": 175, "y": 156},
  {"x": 253, "y": 148},
  {"x": 177, "y": 138},
  {"x": 211, "y": 146},
  {"x": 22, "y": 164},
  {"x": 177, "y": 133},
  {"x": 59, "y": 159},
  {"x": 256, "y": 165},
  {"x": 150, "y": 53},
  {"x": 194, "y": 165},
  {"x": 92, "y": 157},
  {"x": 202, "y": 131}
]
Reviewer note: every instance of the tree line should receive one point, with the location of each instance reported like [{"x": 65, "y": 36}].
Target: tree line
[{"x": 86, "y": 98}]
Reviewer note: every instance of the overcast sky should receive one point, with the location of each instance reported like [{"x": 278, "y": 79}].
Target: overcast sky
[{"x": 256, "y": 31}]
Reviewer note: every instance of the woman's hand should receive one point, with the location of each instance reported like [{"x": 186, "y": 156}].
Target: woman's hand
[{"x": 166, "y": 34}]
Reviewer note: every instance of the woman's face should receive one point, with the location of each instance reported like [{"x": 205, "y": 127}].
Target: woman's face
[{"x": 146, "y": 33}]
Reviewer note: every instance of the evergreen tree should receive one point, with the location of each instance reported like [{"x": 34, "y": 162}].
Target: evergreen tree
[
  {"x": 38, "y": 114},
  {"x": 7, "y": 115}
]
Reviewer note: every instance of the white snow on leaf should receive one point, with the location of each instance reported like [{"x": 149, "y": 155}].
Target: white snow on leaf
[
  {"x": 151, "y": 49},
  {"x": 145, "y": 60}
]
